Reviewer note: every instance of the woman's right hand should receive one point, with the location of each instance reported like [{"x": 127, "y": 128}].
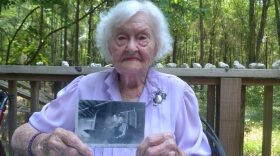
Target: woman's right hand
[
  {"x": 60, "y": 143},
  {"x": 162, "y": 144}
]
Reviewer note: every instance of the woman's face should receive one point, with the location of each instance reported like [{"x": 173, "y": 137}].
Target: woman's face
[{"x": 133, "y": 45}]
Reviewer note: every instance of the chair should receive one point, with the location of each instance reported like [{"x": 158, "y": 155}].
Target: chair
[{"x": 215, "y": 143}]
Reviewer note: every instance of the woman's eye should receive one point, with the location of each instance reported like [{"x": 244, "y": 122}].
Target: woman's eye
[
  {"x": 143, "y": 37},
  {"x": 143, "y": 40},
  {"x": 121, "y": 39}
]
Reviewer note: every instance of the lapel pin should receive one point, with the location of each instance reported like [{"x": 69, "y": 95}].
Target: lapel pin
[{"x": 159, "y": 97}]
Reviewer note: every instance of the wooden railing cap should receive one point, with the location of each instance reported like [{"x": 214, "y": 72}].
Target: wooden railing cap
[{"x": 188, "y": 72}]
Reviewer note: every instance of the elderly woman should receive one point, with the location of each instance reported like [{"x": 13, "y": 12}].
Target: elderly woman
[{"x": 132, "y": 36}]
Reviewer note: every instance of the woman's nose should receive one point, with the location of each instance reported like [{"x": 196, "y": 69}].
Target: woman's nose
[{"x": 132, "y": 45}]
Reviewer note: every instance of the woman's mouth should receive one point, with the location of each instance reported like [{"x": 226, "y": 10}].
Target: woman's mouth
[{"x": 131, "y": 59}]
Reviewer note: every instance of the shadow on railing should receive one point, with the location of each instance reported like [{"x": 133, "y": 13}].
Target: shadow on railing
[{"x": 225, "y": 98}]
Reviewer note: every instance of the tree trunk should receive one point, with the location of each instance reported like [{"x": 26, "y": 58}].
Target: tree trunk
[
  {"x": 77, "y": 30},
  {"x": 193, "y": 53},
  {"x": 261, "y": 30},
  {"x": 41, "y": 24},
  {"x": 1, "y": 47},
  {"x": 90, "y": 40},
  {"x": 266, "y": 53},
  {"x": 65, "y": 47},
  {"x": 277, "y": 23},
  {"x": 71, "y": 49},
  {"x": 201, "y": 29},
  {"x": 252, "y": 33},
  {"x": 175, "y": 49},
  {"x": 226, "y": 48},
  {"x": 216, "y": 11},
  {"x": 211, "y": 51},
  {"x": 186, "y": 50},
  {"x": 53, "y": 40}
]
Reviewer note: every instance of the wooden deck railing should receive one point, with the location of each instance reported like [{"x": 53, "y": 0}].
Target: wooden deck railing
[{"x": 225, "y": 102}]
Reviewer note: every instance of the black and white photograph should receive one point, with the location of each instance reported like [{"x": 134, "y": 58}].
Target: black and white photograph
[{"x": 110, "y": 123}]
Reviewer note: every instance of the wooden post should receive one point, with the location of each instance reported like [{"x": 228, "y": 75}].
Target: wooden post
[
  {"x": 211, "y": 104},
  {"x": 242, "y": 119},
  {"x": 217, "y": 121},
  {"x": 58, "y": 85},
  {"x": 35, "y": 86},
  {"x": 267, "y": 120},
  {"x": 230, "y": 115},
  {"x": 12, "y": 111}
]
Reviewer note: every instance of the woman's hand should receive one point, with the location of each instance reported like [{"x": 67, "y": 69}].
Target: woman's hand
[
  {"x": 159, "y": 145},
  {"x": 60, "y": 143}
]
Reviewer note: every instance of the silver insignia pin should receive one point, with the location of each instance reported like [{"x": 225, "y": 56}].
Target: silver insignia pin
[{"x": 159, "y": 97}]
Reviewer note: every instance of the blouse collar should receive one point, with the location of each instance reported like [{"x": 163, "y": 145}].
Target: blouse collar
[
  {"x": 151, "y": 88},
  {"x": 111, "y": 82}
]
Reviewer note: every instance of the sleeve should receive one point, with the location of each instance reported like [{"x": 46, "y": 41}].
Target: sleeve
[
  {"x": 60, "y": 112},
  {"x": 189, "y": 133}
]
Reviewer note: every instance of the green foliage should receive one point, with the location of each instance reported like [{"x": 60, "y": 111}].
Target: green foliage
[
  {"x": 254, "y": 121},
  {"x": 21, "y": 46},
  {"x": 253, "y": 144},
  {"x": 4, "y": 4},
  {"x": 49, "y": 3},
  {"x": 276, "y": 142},
  {"x": 225, "y": 28},
  {"x": 254, "y": 96},
  {"x": 253, "y": 118},
  {"x": 253, "y": 104},
  {"x": 276, "y": 109}
]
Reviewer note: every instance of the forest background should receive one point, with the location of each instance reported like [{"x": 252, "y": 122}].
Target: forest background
[{"x": 208, "y": 31}]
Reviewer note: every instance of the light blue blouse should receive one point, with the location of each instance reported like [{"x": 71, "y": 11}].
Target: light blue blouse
[{"x": 177, "y": 114}]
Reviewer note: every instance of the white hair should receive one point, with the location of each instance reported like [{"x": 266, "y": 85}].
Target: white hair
[{"x": 121, "y": 13}]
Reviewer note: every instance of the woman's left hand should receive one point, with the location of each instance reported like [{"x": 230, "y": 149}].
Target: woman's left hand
[{"x": 159, "y": 145}]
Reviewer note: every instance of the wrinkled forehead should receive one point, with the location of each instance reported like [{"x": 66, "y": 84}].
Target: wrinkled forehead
[{"x": 141, "y": 23}]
